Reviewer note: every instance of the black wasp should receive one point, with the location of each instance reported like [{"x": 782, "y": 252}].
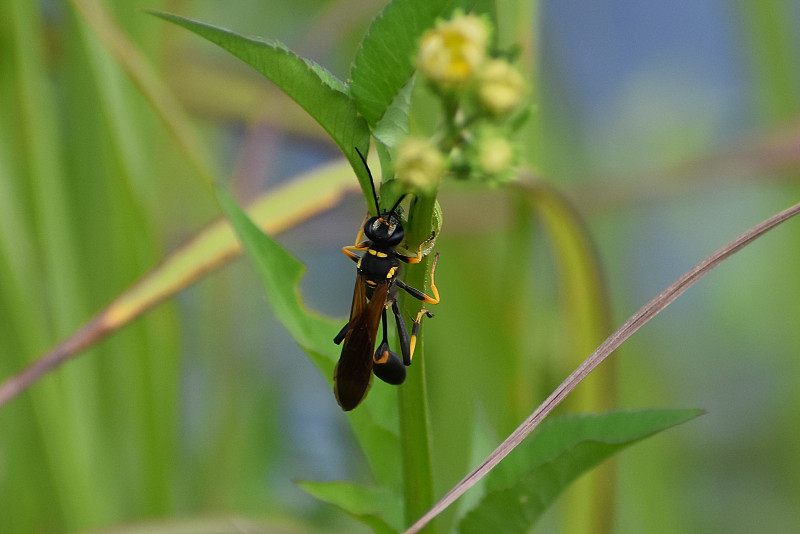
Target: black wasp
[{"x": 375, "y": 292}]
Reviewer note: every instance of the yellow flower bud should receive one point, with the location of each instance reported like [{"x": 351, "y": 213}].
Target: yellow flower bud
[
  {"x": 495, "y": 155},
  {"x": 451, "y": 53},
  {"x": 500, "y": 87},
  {"x": 418, "y": 165}
]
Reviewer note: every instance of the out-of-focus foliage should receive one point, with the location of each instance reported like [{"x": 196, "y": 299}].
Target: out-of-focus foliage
[{"x": 647, "y": 117}]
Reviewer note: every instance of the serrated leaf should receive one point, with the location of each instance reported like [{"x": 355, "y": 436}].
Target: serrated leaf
[
  {"x": 379, "y": 508},
  {"x": 316, "y": 90},
  {"x": 539, "y": 469},
  {"x": 384, "y": 63}
]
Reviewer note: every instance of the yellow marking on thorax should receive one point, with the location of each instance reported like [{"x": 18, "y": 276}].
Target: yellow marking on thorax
[
  {"x": 391, "y": 272},
  {"x": 378, "y": 253}
]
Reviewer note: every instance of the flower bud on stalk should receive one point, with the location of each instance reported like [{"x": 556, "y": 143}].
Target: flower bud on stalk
[
  {"x": 496, "y": 157},
  {"x": 418, "y": 165},
  {"x": 500, "y": 87}
]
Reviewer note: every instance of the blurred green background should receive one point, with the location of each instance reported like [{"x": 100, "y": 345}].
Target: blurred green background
[{"x": 670, "y": 126}]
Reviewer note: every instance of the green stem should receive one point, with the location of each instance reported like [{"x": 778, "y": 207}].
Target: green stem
[{"x": 412, "y": 399}]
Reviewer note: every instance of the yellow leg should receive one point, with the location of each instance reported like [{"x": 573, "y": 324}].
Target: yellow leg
[
  {"x": 360, "y": 243},
  {"x": 412, "y": 343},
  {"x": 417, "y": 294}
]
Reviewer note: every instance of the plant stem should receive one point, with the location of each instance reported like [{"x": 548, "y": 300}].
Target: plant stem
[{"x": 412, "y": 399}]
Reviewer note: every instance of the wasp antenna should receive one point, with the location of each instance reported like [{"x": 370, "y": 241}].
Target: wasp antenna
[
  {"x": 399, "y": 200},
  {"x": 371, "y": 181}
]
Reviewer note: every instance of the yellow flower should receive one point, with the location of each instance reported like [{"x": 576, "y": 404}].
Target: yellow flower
[
  {"x": 451, "y": 53},
  {"x": 500, "y": 87},
  {"x": 418, "y": 165}
]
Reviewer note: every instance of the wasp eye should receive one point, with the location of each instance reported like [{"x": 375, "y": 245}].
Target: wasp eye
[
  {"x": 385, "y": 230},
  {"x": 369, "y": 226}
]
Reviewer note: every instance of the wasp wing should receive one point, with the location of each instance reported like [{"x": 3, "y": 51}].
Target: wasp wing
[{"x": 353, "y": 374}]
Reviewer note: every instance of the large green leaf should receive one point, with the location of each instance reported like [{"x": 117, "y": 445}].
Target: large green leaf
[
  {"x": 537, "y": 471},
  {"x": 384, "y": 62},
  {"x": 315, "y": 89},
  {"x": 379, "y": 508},
  {"x": 281, "y": 274}
]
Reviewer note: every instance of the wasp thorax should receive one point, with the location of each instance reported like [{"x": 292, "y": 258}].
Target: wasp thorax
[{"x": 385, "y": 230}]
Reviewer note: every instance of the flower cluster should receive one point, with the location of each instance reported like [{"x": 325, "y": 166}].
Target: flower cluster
[{"x": 483, "y": 97}]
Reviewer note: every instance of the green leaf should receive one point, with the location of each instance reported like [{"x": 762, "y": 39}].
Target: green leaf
[
  {"x": 379, "y": 508},
  {"x": 537, "y": 471},
  {"x": 385, "y": 61},
  {"x": 393, "y": 126},
  {"x": 281, "y": 274},
  {"x": 389, "y": 132},
  {"x": 316, "y": 90}
]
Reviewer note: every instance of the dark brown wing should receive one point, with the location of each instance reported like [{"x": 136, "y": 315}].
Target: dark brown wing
[{"x": 353, "y": 374}]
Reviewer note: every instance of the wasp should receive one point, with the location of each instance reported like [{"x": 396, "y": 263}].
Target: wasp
[{"x": 375, "y": 293}]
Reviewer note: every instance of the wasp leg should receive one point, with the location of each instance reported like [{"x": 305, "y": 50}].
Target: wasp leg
[
  {"x": 360, "y": 234},
  {"x": 343, "y": 332},
  {"x": 412, "y": 259},
  {"x": 385, "y": 329},
  {"x": 415, "y": 331},
  {"x": 387, "y": 364},
  {"x": 419, "y": 256},
  {"x": 402, "y": 333},
  {"x": 419, "y": 295},
  {"x": 359, "y": 244},
  {"x": 408, "y": 344},
  {"x": 348, "y": 250}
]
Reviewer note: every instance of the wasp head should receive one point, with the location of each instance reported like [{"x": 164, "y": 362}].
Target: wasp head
[{"x": 385, "y": 230}]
